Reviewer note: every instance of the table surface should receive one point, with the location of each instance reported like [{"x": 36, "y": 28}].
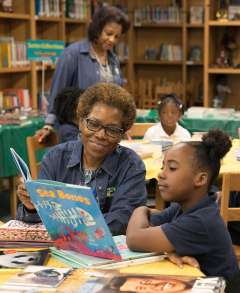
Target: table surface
[{"x": 78, "y": 277}]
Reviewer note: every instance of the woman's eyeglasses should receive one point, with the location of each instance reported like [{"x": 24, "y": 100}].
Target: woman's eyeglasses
[{"x": 112, "y": 131}]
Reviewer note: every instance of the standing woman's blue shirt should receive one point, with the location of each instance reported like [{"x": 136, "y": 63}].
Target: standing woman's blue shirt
[{"x": 76, "y": 67}]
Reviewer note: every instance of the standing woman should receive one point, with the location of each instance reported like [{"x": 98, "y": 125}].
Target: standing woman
[{"x": 89, "y": 61}]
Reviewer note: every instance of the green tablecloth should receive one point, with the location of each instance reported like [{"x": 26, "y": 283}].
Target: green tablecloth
[
  {"x": 230, "y": 125},
  {"x": 15, "y": 136}
]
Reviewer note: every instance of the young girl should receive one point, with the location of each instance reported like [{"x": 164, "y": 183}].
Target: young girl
[
  {"x": 170, "y": 110},
  {"x": 192, "y": 225},
  {"x": 65, "y": 106}
]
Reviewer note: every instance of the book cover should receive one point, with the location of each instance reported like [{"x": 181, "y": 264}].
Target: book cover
[
  {"x": 15, "y": 230},
  {"x": 20, "y": 258},
  {"x": 71, "y": 215},
  {"x": 38, "y": 277},
  {"x": 105, "y": 281},
  {"x": 73, "y": 218}
]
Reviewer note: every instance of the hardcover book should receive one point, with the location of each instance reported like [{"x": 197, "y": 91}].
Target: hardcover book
[
  {"x": 104, "y": 281},
  {"x": 37, "y": 277},
  {"x": 15, "y": 230},
  {"x": 20, "y": 258},
  {"x": 72, "y": 216}
]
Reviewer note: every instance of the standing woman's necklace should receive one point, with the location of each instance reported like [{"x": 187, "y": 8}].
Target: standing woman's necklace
[{"x": 105, "y": 71}]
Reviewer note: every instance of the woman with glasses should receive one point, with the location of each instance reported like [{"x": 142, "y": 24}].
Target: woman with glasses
[
  {"x": 89, "y": 61},
  {"x": 115, "y": 173}
]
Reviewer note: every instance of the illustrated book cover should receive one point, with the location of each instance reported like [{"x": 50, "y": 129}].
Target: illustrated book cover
[
  {"x": 37, "y": 277},
  {"x": 106, "y": 281},
  {"x": 71, "y": 216},
  {"x": 20, "y": 258}
]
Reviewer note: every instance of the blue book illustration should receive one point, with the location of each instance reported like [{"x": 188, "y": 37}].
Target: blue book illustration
[
  {"x": 71, "y": 215},
  {"x": 74, "y": 220}
]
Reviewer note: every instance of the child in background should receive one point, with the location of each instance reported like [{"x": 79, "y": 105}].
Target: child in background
[
  {"x": 192, "y": 225},
  {"x": 170, "y": 110},
  {"x": 65, "y": 106}
]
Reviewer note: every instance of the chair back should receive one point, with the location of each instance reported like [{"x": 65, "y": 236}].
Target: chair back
[
  {"x": 139, "y": 129},
  {"x": 33, "y": 146},
  {"x": 231, "y": 182}
]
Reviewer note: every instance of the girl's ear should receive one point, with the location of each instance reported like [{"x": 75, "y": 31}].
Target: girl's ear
[{"x": 201, "y": 179}]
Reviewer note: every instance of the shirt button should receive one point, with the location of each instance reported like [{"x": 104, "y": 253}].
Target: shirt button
[{"x": 100, "y": 187}]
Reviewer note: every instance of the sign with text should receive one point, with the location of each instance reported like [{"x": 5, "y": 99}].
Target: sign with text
[{"x": 44, "y": 50}]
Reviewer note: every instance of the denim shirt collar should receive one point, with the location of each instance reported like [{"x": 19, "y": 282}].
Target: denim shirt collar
[
  {"x": 85, "y": 47},
  {"x": 109, "y": 165}
]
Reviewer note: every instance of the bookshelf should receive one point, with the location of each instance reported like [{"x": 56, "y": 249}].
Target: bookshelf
[
  {"x": 23, "y": 24},
  {"x": 193, "y": 37},
  {"x": 179, "y": 34},
  {"x": 198, "y": 33},
  {"x": 215, "y": 70}
]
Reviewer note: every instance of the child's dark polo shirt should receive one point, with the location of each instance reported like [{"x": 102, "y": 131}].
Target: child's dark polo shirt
[{"x": 200, "y": 232}]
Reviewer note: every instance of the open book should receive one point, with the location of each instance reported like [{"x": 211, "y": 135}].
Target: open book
[{"x": 73, "y": 218}]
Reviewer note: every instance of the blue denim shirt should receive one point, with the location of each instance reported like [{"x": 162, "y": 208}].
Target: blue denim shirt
[
  {"x": 76, "y": 67},
  {"x": 119, "y": 182},
  {"x": 67, "y": 132}
]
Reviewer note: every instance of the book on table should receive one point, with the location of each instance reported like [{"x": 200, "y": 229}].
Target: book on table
[
  {"x": 73, "y": 218},
  {"x": 36, "y": 277},
  {"x": 17, "y": 233},
  {"x": 114, "y": 281},
  {"x": 21, "y": 257}
]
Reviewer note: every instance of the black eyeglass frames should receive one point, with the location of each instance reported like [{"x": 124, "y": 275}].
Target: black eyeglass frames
[{"x": 112, "y": 131}]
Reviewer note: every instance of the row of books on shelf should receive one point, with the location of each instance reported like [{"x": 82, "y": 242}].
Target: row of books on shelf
[
  {"x": 48, "y": 7},
  {"x": 169, "y": 52},
  {"x": 157, "y": 15},
  {"x": 77, "y": 9},
  {"x": 12, "y": 53},
  {"x": 15, "y": 98}
]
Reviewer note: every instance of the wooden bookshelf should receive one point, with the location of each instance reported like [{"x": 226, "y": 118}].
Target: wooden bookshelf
[
  {"x": 24, "y": 24},
  {"x": 151, "y": 35},
  {"x": 197, "y": 77},
  {"x": 213, "y": 69}
]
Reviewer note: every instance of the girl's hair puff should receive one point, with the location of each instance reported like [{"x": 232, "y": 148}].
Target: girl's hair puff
[{"x": 209, "y": 152}]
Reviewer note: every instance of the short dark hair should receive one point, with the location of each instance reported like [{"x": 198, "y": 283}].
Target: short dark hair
[
  {"x": 109, "y": 94},
  {"x": 208, "y": 152},
  {"x": 104, "y": 15},
  {"x": 170, "y": 98},
  {"x": 65, "y": 104}
]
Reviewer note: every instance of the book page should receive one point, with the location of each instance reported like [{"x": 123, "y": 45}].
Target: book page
[{"x": 21, "y": 165}]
